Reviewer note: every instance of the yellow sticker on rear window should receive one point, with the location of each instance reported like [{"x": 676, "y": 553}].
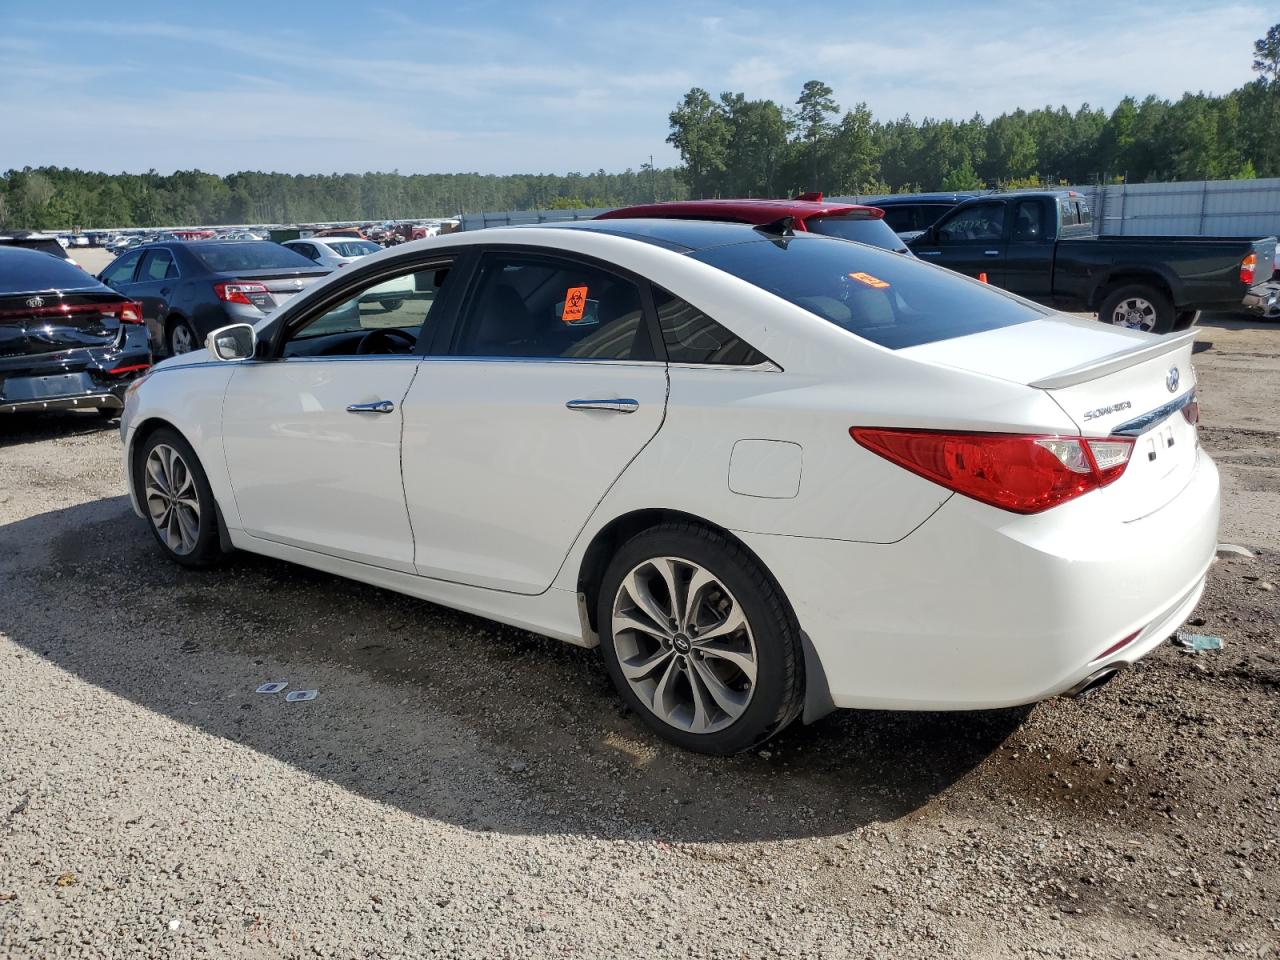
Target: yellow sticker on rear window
[
  {"x": 869, "y": 280},
  {"x": 575, "y": 303}
]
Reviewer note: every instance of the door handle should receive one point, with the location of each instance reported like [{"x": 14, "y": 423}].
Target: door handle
[
  {"x": 613, "y": 406},
  {"x": 164, "y": 291},
  {"x": 928, "y": 253},
  {"x": 378, "y": 406},
  {"x": 991, "y": 253}
]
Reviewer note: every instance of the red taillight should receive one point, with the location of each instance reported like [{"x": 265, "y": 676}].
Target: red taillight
[
  {"x": 129, "y": 368},
  {"x": 1248, "y": 267},
  {"x": 1192, "y": 412},
  {"x": 130, "y": 312},
  {"x": 1016, "y": 472},
  {"x": 238, "y": 292}
]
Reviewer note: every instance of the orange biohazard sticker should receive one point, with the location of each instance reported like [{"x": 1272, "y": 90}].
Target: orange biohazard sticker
[
  {"x": 869, "y": 280},
  {"x": 575, "y": 303}
]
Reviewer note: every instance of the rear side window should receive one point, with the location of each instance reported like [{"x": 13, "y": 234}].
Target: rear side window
[
  {"x": 158, "y": 266},
  {"x": 891, "y": 300},
  {"x": 1028, "y": 223},
  {"x": 863, "y": 229},
  {"x": 690, "y": 336},
  {"x": 1082, "y": 212},
  {"x": 546, "y": 307},
  {"x": 901, "y": 218},
  {"x": 229, "y": 257},
  {"x": 1066, "y": 213}
]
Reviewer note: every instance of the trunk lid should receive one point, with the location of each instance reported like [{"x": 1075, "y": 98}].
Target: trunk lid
[
  {"x": 1111, "y": 382},
  {"x": 38, "y": 324},
  {"x": 282, "y": 284}
]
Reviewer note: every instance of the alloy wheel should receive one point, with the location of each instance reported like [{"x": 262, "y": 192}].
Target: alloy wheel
[
  {"x": 1134, "y": 313},
  {"x": 172, "y": 499},
  {"x": 684, "y": 644},
  {"x": 182, "y": 340}
]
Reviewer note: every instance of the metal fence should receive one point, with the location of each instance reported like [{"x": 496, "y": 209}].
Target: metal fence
[{"x": 1206, "y": 208}]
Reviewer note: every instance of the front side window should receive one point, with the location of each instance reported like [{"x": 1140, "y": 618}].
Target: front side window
[
  {"x": 386, "y": 317},
  {"x": 901, "y": 218},
  {"x": 122, "y": 270},
  {"x": 545, "y": 307},
  {"x": 891, "y": 300},
  {"x": 981, "y": 223}
]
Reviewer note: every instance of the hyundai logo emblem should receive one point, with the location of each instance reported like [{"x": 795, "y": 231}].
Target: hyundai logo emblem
[{"x": 1171, "y": 379}]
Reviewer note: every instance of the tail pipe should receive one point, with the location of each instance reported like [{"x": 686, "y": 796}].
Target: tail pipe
[{"x": 1096, "y": 680}]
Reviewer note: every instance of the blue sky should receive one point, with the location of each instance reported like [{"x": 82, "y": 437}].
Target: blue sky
[{"x": 501, "y": 87}]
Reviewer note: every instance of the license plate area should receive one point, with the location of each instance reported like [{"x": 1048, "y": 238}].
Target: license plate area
[{"x": 42, "y": 388}]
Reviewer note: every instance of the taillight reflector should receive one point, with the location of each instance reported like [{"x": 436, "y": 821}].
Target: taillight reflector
[
  {"x": 130, "y": 312},
  {"x": 1117, "y": 646},
  {"x": 238, "y": 292},
  {"x": 1022, "y": 473},
  {"x": 1248, "y": 267}
]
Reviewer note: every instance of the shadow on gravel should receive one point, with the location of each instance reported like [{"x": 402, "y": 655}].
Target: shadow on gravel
[
  {"x": 1235, "y": 321},
  {"x": 16, "y": 428},
  {"x": 441, "y": 714}
]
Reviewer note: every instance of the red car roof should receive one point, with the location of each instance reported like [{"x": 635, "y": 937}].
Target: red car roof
[{"x": 746, "y": 211}]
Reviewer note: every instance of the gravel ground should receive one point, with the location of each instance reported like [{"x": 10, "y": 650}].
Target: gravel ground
[{"x": 463, "y": 789}]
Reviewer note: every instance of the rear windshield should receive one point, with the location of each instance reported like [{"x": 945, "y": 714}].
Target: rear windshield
[
  {"x": 883, "y": 297},
  {"x": 43, "y": 244},
  {"x": 30, "y": 271},
  {"x": 224, "y": 257},
  {"x": 352, "y": 248},
  {"x": 863, "y": 229}
]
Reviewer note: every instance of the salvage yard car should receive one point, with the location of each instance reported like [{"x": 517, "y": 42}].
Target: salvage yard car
[
  {"x": 66, "y": 341},
  {"x": 188, "y": 288},
  {"x": 768, "y": 472},
  {"x": 1044, "y": 246}
]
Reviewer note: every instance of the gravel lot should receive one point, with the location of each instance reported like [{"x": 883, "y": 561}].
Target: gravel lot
[{"x": 463, "y": 789}]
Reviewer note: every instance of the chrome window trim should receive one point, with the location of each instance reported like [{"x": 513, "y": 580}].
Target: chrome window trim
[{"x": 1140, "y": 425}]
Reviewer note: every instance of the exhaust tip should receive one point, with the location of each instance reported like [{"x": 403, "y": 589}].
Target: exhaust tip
[{"x": 1095, "y": 681}]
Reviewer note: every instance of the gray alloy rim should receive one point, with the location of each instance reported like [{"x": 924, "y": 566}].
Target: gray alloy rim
[
  {"x": 1135, "y": 313},
  {"x": 183, "y": 341},
  {"x": 684, "y": 645},
  {"x": 172, "y": 499}
]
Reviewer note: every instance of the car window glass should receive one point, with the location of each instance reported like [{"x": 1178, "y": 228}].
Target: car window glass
[
  {"x": 883, "y": 297},
  {"x": 530, "y": 306},
  {"x": 860, "y": 228},
  {"x": 386, "y": 317},
  {"x": 122, "y": 270},
  {"x": 1028, "y": 223},
  {"x": 1082, "y": 212},
  {"x": 1066, "y": 213},
  {"x": 690, "y": 336},
  {"x": 979, "y": 223},
  {"x": 158, "y": 266},
  {"x": 306, "y": 249},
  {"x": 900, "y": 218}
]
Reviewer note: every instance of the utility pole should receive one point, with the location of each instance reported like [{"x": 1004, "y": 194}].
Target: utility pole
[{"x": 653, "y": 179}]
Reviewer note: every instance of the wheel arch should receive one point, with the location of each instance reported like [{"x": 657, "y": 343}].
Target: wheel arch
[
  {"x": 137, "y": 438},
  {"x": 1122, "y": 276},
  {"x": 605, "y": 543}
]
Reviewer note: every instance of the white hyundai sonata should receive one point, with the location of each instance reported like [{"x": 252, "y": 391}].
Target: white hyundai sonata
[{"x": 768, "y": 474}]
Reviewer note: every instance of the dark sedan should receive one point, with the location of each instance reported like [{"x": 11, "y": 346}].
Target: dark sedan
[
  {"x": 189, "y": 288},
  {"x": 66, "y": 340}
]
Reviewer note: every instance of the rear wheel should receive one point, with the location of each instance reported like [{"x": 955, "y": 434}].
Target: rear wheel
[
  {"x": 1138, "y": 306},
  {"x": 389, "y": 305},
  {"x": 699, "y": 640},
  {"x": 177, "y": 499},
  {"x": 182, "y": 339}
]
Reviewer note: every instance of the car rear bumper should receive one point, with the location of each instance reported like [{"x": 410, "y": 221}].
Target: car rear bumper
[
  {"x": 979, "y": 608},
  {"x": 84, "y": 379},
  {"x": 1264, "y": 300}
]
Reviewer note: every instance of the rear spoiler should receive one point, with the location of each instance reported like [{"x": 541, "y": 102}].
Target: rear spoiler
[{"x": 1116, "y": 361}]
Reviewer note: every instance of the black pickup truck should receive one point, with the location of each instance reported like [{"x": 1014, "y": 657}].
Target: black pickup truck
[{"x": 1043, "y": 246}]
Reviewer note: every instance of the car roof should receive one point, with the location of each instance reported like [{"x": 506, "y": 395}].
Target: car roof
[
  {"x": 681, "y": 236},
  {"x": 923, "y": 198},
  {"x": 748, "y": 211}
]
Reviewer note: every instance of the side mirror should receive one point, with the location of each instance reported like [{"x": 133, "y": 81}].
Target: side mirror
[{"x": 236, "y": 342}]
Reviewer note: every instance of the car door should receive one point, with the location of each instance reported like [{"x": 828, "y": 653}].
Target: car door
[
  {"x": 971, "y": 240},
  {"x": 1028, "y": 262},
  {"x": 153, "y": 285},
  {"x": 312, "y": 432},
  {"x": 514, "y": 430}
]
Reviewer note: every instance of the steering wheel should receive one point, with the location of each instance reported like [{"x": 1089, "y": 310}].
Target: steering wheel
[{"x": 386, "y": 340}]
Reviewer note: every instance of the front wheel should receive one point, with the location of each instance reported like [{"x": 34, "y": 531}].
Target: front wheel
[
  {"x": 699, "y": 640},
  {"x": 1138, "y": 307},
  {"x": 177, "y": 499},
  {"x": 390, "y": 305}
]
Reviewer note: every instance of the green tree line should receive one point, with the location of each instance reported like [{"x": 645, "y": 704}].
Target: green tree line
[
  {"x": 59, "y": 198},
  {"x": 733, "y": 146}
]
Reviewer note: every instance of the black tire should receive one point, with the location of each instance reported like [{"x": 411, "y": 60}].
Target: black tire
[
  {"x": 389, "y": 305},
  {"x": 777, "y": 697},
  {"x": 1185, "y": 320},
  {"x": 206, "y": 550},
  {"x": 1112, "y": 306}
]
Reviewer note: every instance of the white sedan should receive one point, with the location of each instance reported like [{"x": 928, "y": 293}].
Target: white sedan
[{"x": 767, "y": 474}]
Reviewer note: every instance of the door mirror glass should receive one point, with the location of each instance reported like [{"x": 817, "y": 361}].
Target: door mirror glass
[{"x": 236, "y": 342}]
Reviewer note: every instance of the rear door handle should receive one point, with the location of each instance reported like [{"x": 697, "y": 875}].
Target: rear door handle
[
  {"x": 991, "y": 253},
  {"x": 928, "y": 253},
  {"x": 618, "y": 405},
  {"x": 377, "y": 406}
]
